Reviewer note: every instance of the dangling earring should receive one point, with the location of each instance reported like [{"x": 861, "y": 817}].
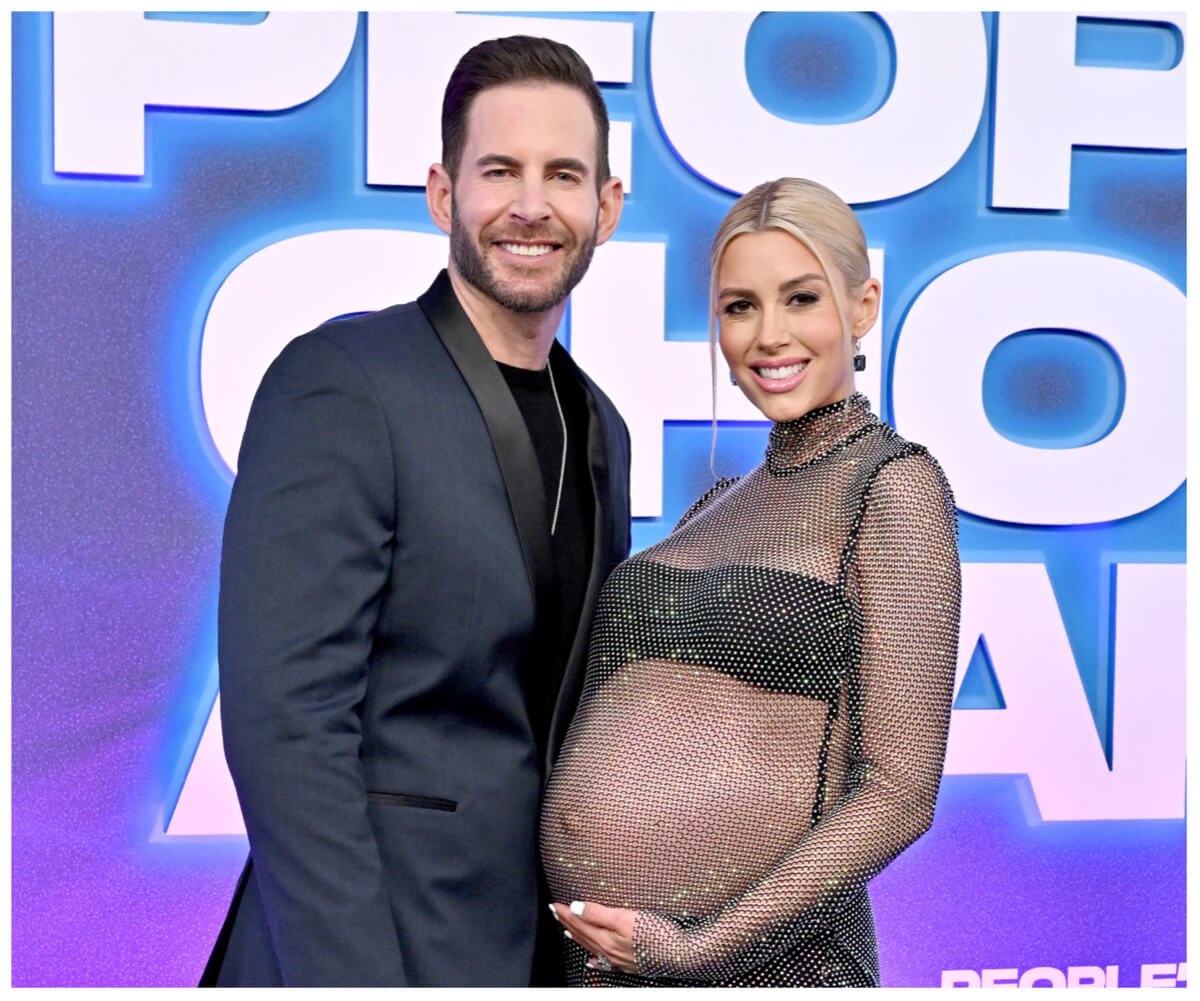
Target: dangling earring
[
  {"x": 732, "y": 378},
  {"x": 860, "y": 360}
]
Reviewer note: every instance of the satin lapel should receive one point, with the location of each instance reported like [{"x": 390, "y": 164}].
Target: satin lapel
[{"x": 506, "y": 426}]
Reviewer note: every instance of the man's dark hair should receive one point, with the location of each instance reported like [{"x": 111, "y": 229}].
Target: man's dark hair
[{"x": 517, "y": 59}]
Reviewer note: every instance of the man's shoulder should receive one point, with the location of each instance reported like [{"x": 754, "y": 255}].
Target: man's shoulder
[
  {"x": 354, "y": 349},
  {"x": 360, "y": 330},
  {"x": 368, "y": 338}
]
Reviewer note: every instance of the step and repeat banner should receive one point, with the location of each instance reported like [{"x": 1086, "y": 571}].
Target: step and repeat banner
[{"x": 192, "y": 191}]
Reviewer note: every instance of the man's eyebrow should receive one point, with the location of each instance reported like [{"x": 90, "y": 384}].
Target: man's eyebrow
[
  {"x": 568, "y": 163},
  {"x": 558, "y": 163},
  {"x": 497, "y": 160}
]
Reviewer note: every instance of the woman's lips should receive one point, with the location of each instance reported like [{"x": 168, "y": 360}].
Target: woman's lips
[{"x": 780, "y": 376}]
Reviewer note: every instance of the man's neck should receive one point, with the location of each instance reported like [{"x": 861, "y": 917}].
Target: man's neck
[{"x": 522, "y": 340}]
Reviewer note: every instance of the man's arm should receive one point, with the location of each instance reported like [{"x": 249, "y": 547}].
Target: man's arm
[{"x": 305, "y": 559}]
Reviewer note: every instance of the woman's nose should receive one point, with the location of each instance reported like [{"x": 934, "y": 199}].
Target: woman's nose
[{"x": 773, "y": 332}]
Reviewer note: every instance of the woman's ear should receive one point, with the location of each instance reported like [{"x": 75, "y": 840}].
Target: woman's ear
[{"x": 866, "y": 308}]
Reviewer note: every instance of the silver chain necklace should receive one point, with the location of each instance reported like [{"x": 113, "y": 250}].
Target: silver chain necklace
[{"x": 562, "y": 469}]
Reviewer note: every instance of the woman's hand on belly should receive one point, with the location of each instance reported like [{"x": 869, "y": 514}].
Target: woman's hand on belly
[{"x": 605, "y": 932}]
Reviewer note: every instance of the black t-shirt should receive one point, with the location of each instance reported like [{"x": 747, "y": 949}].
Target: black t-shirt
[{"x": 571, "y": 541}]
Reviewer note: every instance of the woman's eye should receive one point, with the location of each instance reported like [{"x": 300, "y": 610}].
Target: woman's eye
[
  {"x": 802, "y": 298},
  {"x": 736, "y": 307}
]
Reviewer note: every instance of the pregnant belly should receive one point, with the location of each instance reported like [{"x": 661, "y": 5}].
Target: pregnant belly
[{"x": 678, "y": 786}]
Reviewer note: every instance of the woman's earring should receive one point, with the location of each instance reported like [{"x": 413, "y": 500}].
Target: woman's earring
[
  {"x": 732, "y": 378},
  {"x": 860, "y": 360}
]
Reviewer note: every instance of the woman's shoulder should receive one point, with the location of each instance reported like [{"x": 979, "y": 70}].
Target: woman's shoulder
[
  {"x": 898, "y": 465},
  {"x": 719, "y": 487}
]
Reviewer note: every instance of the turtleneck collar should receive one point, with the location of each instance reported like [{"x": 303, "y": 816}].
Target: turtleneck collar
[{"x": 798, "y": 443}]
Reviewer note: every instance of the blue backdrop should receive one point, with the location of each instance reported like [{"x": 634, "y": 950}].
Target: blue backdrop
[{"x": 143, "y": 276}]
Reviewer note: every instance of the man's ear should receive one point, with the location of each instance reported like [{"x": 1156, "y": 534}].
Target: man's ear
[
  {"x": 439, "y": 196},
  {"x": 612, "y": 199}
]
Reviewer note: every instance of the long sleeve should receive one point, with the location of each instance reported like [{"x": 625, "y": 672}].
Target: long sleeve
[
  {"x": 304, "y": 562},
  {"x": 906, "y": 565}
]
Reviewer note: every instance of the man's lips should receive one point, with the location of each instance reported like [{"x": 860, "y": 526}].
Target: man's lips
[
  {"x": 527, "y": 248},
  {"x": 780, "y": 375}
]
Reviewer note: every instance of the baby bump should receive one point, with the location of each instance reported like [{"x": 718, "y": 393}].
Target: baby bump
[{"x": 677, "y": 787}]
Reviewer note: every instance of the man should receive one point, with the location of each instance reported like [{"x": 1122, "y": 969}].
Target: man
[{"x": 428, "y": 499}]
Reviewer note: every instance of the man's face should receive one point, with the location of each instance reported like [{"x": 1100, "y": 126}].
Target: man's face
[{"x": 525, "y": 213}]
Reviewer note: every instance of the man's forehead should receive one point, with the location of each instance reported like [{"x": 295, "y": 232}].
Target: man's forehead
[
  {"x": 531, "y": 122},
  {"x": 537, "y": 104}
]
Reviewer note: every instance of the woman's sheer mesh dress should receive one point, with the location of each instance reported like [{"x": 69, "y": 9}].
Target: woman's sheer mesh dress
[{"x": 764, "y": 719}]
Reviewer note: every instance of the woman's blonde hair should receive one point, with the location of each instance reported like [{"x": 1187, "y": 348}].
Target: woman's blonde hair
[{"x": 816, "y": 217}]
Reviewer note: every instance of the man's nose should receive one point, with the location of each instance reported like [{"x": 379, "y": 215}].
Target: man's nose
[{"x": 530, "y": 203}]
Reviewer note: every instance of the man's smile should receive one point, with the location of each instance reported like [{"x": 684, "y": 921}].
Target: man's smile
[{"x": 528, "y": 249}]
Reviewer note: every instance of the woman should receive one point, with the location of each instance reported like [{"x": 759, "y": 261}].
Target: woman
[{"x": 764, "y": 719}]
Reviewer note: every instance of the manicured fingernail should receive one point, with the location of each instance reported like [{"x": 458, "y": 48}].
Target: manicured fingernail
[
  {"x": 567, "y": 932},
  {"x": 590, "y": 965},
  {"x": 577, "y": 907},
  {"x": 555, "y": 913}
]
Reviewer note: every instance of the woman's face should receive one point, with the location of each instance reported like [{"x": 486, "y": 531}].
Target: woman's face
[{"x": 779, "y": 326}]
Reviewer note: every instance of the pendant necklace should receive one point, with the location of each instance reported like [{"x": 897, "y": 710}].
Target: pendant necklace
[{"x": 562, "y": 469}]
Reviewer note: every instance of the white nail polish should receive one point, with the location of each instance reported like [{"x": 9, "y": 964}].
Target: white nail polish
[
  {"x": 554, "y": 912},
  {"x": 568, "y": 934},
  {"x": 577, "y": 907}
]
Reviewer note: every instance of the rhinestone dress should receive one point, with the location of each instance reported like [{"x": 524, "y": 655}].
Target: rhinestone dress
[{"x": 764, "y": 718}]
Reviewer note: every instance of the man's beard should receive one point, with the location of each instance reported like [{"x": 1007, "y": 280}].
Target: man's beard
[{"x": 474, "y": 269}]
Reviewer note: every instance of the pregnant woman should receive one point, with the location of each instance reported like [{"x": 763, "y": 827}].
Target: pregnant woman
[{"x": 764, "y": 719}]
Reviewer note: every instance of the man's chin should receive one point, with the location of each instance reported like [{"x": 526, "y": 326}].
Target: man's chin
[
  {"x": 524, "y": 297},
  {"x": 527, "y": 305}
]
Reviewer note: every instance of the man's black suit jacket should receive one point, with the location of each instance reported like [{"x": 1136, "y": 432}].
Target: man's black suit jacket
[{"x": 384, "y": 550}]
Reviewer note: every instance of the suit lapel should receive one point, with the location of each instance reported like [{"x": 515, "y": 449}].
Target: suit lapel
[{"x": 506, "y": 426}]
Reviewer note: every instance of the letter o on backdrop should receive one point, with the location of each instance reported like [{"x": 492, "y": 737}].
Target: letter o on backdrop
[{"x": 937, "y": 385}]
